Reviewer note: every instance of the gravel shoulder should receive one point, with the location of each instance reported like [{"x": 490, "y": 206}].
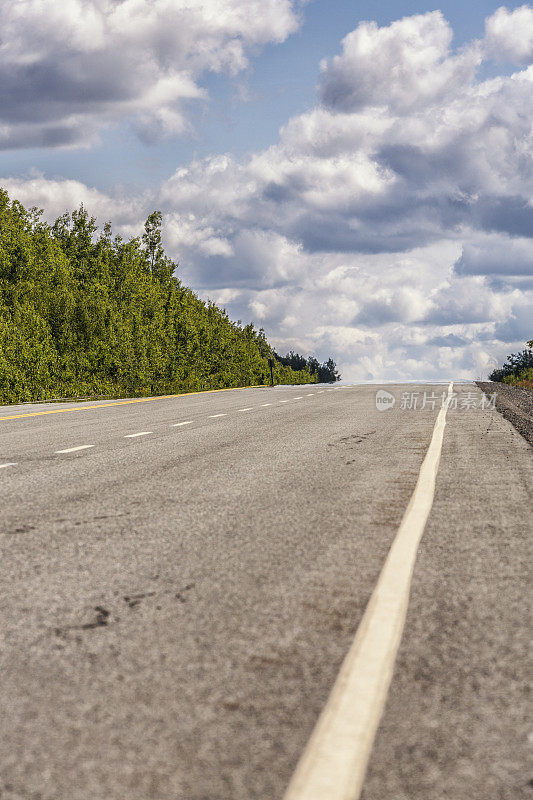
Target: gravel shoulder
[{"x": 513, "y": 403}]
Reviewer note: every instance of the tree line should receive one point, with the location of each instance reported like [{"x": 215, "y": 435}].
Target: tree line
[
  {"x": 84, "y": 312},
  {"x": 325, "y": 373},
  {"x": 517, "y": 369}
]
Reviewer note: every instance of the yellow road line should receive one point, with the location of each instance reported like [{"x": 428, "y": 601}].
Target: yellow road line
[
  {"x": 127, "y": 402},
  {"x": 334, "y": 763}
]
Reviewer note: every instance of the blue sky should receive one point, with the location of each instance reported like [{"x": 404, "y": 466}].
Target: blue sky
[{"x": 366, "y": 228}]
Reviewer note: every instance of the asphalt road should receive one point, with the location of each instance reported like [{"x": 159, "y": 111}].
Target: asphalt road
[{"x": 176, "y": 605}]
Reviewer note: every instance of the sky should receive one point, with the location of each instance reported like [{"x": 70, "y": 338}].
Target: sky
[{"x": 355, "y": 177}]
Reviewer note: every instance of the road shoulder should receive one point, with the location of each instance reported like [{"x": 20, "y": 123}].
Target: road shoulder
[
  {"x": 455, "y": 723},
  {"x": 513, "y": 403}
]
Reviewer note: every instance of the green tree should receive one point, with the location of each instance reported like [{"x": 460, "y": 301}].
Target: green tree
[
  {"x": 85, "y": 313},
  {"x": 325, "y": 373},
  {"x": 515, "y": 364}
]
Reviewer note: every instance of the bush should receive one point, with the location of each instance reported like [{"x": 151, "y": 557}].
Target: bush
[{"x": 524, "y": 379}]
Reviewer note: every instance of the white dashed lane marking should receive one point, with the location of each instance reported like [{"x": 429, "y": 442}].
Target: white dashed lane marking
[
  {"x": 75, "y": 449},
  {"x": 174, "y": 425}
]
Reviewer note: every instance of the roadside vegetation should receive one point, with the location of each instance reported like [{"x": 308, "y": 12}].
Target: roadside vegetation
[
  {"x": 325, "y": 373},
  {"x": 85, "y": 313},
  {"x": 517, "y": 370}
]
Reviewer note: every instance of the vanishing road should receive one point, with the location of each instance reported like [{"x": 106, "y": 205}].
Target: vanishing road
[{"x": 182, "y": 579}]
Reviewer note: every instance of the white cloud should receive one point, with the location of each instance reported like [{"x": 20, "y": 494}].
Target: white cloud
[
  {"x": 467, "y": 301},
  {"x": 403, "y": 65},
  {"x": 509, "y": 35},
  {"x": 517, "y": 326},
  {"x": 493, "y": 254},
  {"x": 391, "y": 227},
  {"x": 57, "y": 196},
  {"x": 184, "y": 231},
  {"x": 68, "y": 68}
]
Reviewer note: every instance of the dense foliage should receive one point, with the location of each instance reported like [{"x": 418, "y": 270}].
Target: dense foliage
[
  {"x": 85, "y": 313},
  {"x": 518, "y": 367},
  {"x": 325, "y": 373}
]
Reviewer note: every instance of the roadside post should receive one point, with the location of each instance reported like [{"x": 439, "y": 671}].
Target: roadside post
[{"x": 271, "y": 365}]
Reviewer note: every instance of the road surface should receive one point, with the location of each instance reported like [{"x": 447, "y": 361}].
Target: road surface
[{"x": 183, "y": 577}]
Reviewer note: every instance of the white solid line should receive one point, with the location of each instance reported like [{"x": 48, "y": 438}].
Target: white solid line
[
  {"x": 245, "y": 409},
  {"x": 179, "y": 424},
  {"x": 9, "y": 464},
  {"x": 74, "y": 449},
  {"x": 133, "y": 435},
  {"x": 334, "y": 762},
  {"x": 264, "y": 405},
  {"x": 214, "y": 416}
]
